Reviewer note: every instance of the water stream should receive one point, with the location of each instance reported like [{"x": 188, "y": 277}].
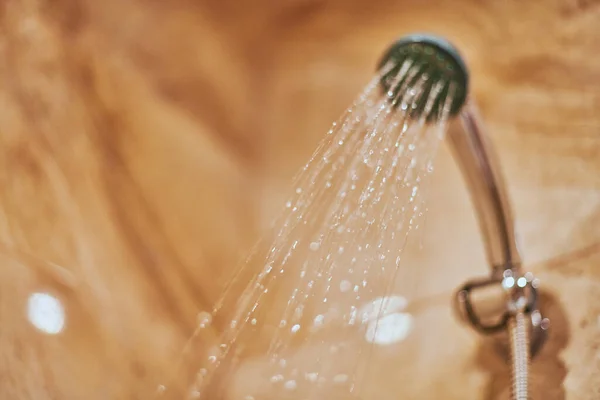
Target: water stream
[{"x": 303, "y": 326}]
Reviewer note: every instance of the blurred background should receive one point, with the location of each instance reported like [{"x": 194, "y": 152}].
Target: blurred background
[{"x": 145, "y": 145}]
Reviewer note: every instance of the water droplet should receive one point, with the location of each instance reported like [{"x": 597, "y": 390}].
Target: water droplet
[
  {"x": 314, "y": 246},
  {"x": 430, "y": 166},
  {"x": 204, "y": 319},
  {"x": 288, "y": 204},
  {"x": 295, "y": 328},
  {"x": 319, "y": 319},
  {"x": 212, "y": 359},
  {"x": 341, "y": 250},
  {"x": 311, "y": 376},
  {"x": 276, "y": 378},
  {"x": 353, "y": 314},
  {"x": 253, "y": 321},
  {"x": 290, "y": 385},
  {"x": 199, "y": 379},
  {"x": 282, "y": 323},
  {"x": 345, "y": 286},
  {"x": 298, "y": 190}
]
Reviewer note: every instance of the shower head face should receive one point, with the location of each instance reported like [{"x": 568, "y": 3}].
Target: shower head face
[{"x": 429, "y": 56}]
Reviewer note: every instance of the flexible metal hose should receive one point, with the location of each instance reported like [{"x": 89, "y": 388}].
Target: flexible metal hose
[{"x": 519, "y": 356}]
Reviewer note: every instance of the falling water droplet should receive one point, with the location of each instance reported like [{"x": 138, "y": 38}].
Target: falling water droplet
[
  {"x": 290, "y": 385},
  {"x": 345, "y": 286},
  {"x": 311, "y": 376},
  {"x": 340, "y": 378},
  {"x": 204, "y": 319},
  {"x": 319, "y": 319}
]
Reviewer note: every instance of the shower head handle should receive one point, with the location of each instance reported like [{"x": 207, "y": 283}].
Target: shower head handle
[{"x": 480, "y": 168}]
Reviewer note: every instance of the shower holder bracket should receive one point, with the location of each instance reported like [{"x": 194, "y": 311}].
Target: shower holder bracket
[{"x": 522, "y": 296}]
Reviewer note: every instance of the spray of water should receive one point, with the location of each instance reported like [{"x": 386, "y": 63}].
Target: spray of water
[{"x": 302, "y": 326}]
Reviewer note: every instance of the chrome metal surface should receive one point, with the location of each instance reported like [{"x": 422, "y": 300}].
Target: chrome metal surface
[
  {"x": 481, "y": 170},
  {"x": 477, "y": 160}
]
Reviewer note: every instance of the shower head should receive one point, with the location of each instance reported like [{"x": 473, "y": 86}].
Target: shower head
[{"x": 431, "y": 56}]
